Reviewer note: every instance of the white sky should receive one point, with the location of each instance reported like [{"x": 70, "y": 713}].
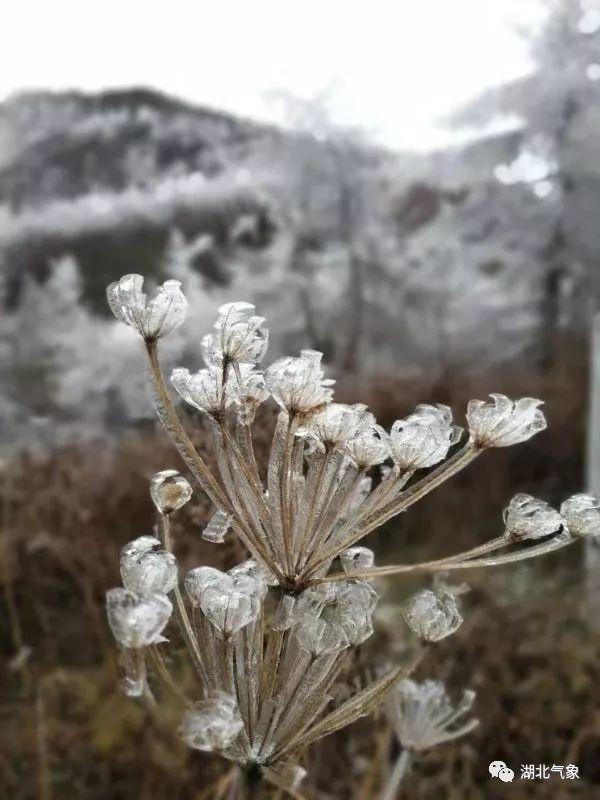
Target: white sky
[{"x": 393, "y": 66}]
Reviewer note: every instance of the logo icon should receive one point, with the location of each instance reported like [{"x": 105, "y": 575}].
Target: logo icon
[{"x": 498, "y": 769}]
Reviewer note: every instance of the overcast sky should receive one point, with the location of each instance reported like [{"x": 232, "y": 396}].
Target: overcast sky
[{"x": 392, "y": 66}]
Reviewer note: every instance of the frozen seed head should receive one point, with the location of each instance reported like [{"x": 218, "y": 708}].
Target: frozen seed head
[
  {"x": 582, "y": 513},
  {"x": 423, "y": 716},
  {"x": 423, "y": 438},
  {"x": 169, "y": 491},
  {"x": 504, "y": 422},
  {"x": 356, "y": 559},
  {"x": 333, "y": 426},
  {"x": 137, "y": 621},
  {"x": 529, "y": 518},
  {"x": 204, "y": 389},
  {"x": 369, "y": 445},
  {"x": 239, "y": 336},
  {"x": 334, "y": 617},
  {"x": 212, "y": 724},
  {"x": 153, "y": 319},
  {"x": 298, "y": 384},
  {"x": 146, "y": 568},
  {"x": 249, "y": 391},
  {"x": 432, "y": 615},
  {"x": 256, "y": 572},
  {"x": 229, "y": 600}
]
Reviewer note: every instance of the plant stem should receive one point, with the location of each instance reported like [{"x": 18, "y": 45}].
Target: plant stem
[
  {"x": 179, "y": 606},
  {"x": 399, "y": 504},
  {"x": 172, "y": 424},
  {"x": 400, "y": 769},
  {"x": 454, "y": 563}
]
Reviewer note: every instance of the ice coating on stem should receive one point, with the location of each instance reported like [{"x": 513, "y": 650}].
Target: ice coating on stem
[
  {"x": 146, "y": 568},
  {"x": 239, "y": 336},
  {"x": 137, "y": 621},
  {"x": 217, "y": 527},
  {"x": 169, "y": 491},
  {"x": 212, "y": 724},
  {"x": 504, "y": 422},
  {"x": 432, "y": 615},
  {"x": 423, "y": 438},
  {"x": 153, "y": 319},
  {"x": 526, "y": 517},
  {"x": 423, "y": 716}
]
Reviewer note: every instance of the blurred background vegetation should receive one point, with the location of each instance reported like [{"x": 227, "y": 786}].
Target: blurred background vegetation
[{"x": 422, "y": 276}]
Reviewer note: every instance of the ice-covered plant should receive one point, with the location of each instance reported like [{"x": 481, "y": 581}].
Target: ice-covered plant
[
  {"x": 270, "y": 638},
  {"x": 422, "y": 717}
]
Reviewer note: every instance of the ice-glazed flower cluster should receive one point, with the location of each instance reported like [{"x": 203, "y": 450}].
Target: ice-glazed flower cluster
[{"x": 270, "y": 637}]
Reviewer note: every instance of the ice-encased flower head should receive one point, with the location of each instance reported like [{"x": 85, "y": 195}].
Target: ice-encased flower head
[
  {"x": 249, "y": 391},
  {"x": 432, "y": 615},
  {"x": 504, "y": 421},
  {"x": 298, "y": 384},
  {"x": 331, "y": 618},
  {"x": 203, "y": 389},
  {"x": 423, "y": 438},
  {"x": 137, "y": 621},
  {"x": 582, "y": 512},
  {"x": 212, "y": 724},
  {"x": 153, "y": 319},
  {"x": 356, "y": 559},
  {"x": 169, "y": 491},
  {"x": 370, "y": 444},
  {"x": 334, "y": 425},
  {"x": 229, "y": 600},
  {"x": 146, "y": 568},
  {"x": 239, "y": 336},
  {"x": 423, "y": 716},
  {"x": 526, "y": 517}
]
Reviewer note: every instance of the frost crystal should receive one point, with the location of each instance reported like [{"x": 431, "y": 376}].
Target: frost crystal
[
  {"x": 212, "y": 724},
  {"x": 432, "y": 616},
  {"x": 356, "y": 559},
  {"x": 169, "y": 491},
  {"x": 147, "y": 569},
  {"x": 297, "y": 384},
  {"x": 230, "y": 601},
  {"x": 582, "y": 512},
  {"x": 153, "y": 319},
  {"x": 137, "y": 621},
  {"x": 504, "y": 422},
  {"x": 204, "y": 389},
  {"x": 423, "y": 716},
  {"x": 239, "y": 336},
  {"x": 217, "y": 527},
  {"x": 529, "y": 518},
  {"x": 423, "y": 438}
]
